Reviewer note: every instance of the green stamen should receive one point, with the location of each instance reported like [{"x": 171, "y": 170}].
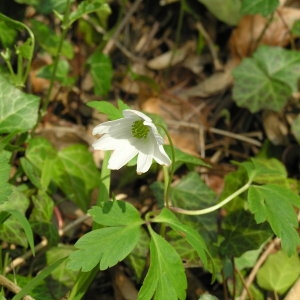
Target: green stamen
[{"x": 139, "y": 130}]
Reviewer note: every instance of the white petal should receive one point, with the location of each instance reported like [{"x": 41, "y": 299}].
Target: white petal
[
  {"x": 160, "y": 156},
  {"x": 104, "y": 127},
  {"x": 131, "y": 113},
  {"x": 106, "y": 142},
  {"x": 121, "y": 156},
  {"x": 145, "y": 157}
]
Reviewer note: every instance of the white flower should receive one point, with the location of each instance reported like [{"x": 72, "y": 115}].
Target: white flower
[{"x": 135, "y": 134}]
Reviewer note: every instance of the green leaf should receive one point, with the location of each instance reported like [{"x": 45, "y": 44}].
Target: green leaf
[
  {"x": 49, "y": 40},
  {"x": 18, "y": 111},
  {"x": 61, "y": 74},
  {"x": 263, "y": 170},
  {"x": 166, "y": 276},
  {"x": 263, "y": 7},
  {"x": 101, "y": 71},
  {"x": 37, "y": 279},
  {"x": 5, "y": 187},
  {"x": 76, "y": 174},
  {"x": 241, "y": 233},
  {"x": 279, "y": 272},
  {"x": 106, "y": 108},
  {"x": 115, "y": 213},
  {"x": 185, "y": 158},
  {"x": 267, "y": 80},
  {"x": 12, "y": 230},
  {"x": 274, "y": 204},
  {"x": 227, "y": 11},
  {"x": 7, "y": 35},
  {"x": 192, "y": 193},
  {"x": 72, "y": 169},
  {"x": 106, "y": 247},
  {"x": 187, "y": 232},
  {"x": 32, "y": 172},
  {"x": 87, "y": 7}
]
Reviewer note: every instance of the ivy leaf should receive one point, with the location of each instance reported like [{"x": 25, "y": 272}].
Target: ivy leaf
[
  {"x": 189, "y": 234},
  {"x": 109, "y": 245},
  {"x": 274, "y": 204},
  {"x": 267, "y": 80},
  {"x": 166, "y": 276},
  {"x": 279, "y": 272},
  {"x": 263, "y": 7},
  {"x": 5, "y": 187},
  {"x": 241, "y": 233},
  {"x": 18, "y": 111}
]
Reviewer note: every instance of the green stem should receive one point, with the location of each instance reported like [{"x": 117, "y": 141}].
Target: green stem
[
  {"x": 168, "y": 176},
  {"x": 65, "y": 28},
  {"x": 214, "y": 207},
  {"x": 104, "y": 186}
]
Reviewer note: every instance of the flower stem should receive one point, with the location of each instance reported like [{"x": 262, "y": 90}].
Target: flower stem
[
  {"x": 104, "y": 186},
  {"x": 168, "y": 176},
  {"x": 214, "y": 207}
]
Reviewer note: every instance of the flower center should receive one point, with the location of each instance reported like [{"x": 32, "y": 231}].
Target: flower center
[{"x": 139, "y": 130}]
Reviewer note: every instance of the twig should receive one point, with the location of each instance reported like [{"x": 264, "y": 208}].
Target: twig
[
  {"x": 270, "y": 249},
  {"x": 294, "y": 292},
  {"x": 112, "y": 40},
  {"x": 217, "y": 64},
  {"x": 216, "y": 131},
  {"x": 5, "y": 282}
]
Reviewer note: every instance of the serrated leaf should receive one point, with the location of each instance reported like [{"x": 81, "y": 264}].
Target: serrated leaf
[
  {"x": 189, "y": 234},
  {"x": 101, "y": 72},
  {"x": 274, "y": 204},
  {"x": 5, "y": 187},
  {"x": 104, "y": 247},
  {"x": 115, "y": 213},
  {"x": 279, "y": 272},
  {"x": 18, "y": 111},
  {"x": 185, "y": 158},
  {"x": 166, "y": 276},
  {"x": 263, "y": 170},
  {"x": 106, "y": 108},
  {"x": 241, "y": 233},
  {"x": 267, "y": 80},
  {"x": 262, "y": 7}
]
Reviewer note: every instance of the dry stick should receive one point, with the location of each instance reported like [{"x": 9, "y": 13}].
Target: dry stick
[
  {"x": 213, "y": 50},
  {"x": 270, "y": 249},
  {"x": 12, "y": 287},
  {"x": 217, "y": 131},
  {"x": 112, "y": 40}
]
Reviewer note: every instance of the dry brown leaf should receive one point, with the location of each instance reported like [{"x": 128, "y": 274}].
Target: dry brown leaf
[
  {"x": 275, "y": 127},
  {"x": 250, "y": 32}
]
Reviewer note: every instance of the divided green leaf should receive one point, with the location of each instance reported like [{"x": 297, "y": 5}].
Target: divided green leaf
[
  {"x": 109, "y": 245},
  {"x": 275, "y": 204},
  {"x": 187, "y": 232},
  {"x": 166, "y": 276},
  {"x": 267, "y": 80}
]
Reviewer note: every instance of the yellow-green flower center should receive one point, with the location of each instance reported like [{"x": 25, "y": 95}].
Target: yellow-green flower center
[{"x": 139, "y": 130}]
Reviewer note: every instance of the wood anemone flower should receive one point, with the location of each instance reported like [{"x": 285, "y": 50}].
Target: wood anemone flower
[{"x": 135, "y": 134}]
